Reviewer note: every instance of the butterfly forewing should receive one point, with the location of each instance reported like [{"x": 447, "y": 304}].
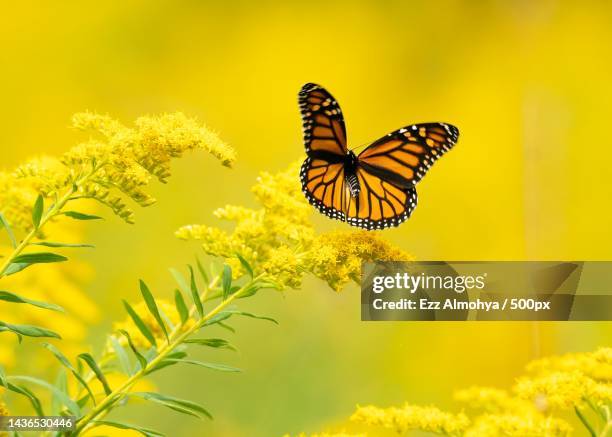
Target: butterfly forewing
[
  {"x": 323, "y": 124},
  {"x": 404, "y": 156}
]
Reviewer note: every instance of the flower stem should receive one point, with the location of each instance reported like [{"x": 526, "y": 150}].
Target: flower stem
[{"x": 177, "y": 337}]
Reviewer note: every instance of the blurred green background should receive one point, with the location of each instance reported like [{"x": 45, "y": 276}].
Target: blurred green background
[{"x": 527, "y": 83}]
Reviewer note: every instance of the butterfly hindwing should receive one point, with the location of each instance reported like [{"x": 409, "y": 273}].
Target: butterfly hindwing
[
  {"x": 380, "y": 204},
  {"x": 323, "y": 124},
  {"x": 325, "y": 187},
  {"x": 405, "y": 155}
]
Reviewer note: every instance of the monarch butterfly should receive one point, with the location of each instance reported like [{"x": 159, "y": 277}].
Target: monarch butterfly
[{"x": 374, "y": 189}]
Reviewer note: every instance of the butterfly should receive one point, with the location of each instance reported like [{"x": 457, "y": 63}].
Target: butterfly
[{"x": 374, "y": 189}]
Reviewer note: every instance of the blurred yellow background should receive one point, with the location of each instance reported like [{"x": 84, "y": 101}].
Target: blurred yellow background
[{"x": 527, "y": 83}]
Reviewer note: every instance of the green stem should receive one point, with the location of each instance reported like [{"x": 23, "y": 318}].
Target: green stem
[{"x": 177, "y": 337}]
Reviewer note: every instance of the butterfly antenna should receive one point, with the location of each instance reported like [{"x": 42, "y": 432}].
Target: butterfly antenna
[{"x": 360, "y": 146}]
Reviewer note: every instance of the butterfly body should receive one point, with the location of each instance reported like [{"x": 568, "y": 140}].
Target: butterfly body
[{"x": 374, "y": 189}]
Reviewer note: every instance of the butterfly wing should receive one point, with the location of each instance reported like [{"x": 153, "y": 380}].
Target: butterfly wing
[
  {"x": 404, "y": 156},
  {"x": 323, "y": 124},
  {"x": 322, "y": 174}
]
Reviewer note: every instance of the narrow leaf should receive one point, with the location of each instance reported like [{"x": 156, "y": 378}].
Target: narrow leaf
[
  {"x": 141, "y": 359},
  {"x": 96, "y": 370},
  {"x": 29, "y": 330},
  {"x": 152, "y": 306},
  {"x": 180, "y": 280},
  {"x": 39, "y": 257},
  {"x": 80, "y": 216},
  {"x": 37, "y": 211},
  {"x": 122, "y": 357},
  {"x": 162, "y": 364},
  {"x": 245, "y": 264},
  {"x": 181, "y": 405},
  {"x": 12, "y": 297},
  {"x": 179, "y": 302},
  {"x": 226, "y": 280},
  {"x": 214, "y": 366},
  {"x": 63, "y": 397},
  {"x": 218, "y": 343},
  {"x": 66, "y": 363},
  {"x": 4, "y": 222},
  {"x": 202, "y": 271},
  {"x": 56, "y": 244},
  {"x": 195, "y": 293},
  {"x": 24, "y": 391},
  {"x": 218, "y": 318},
  {"x": 254, "y": 316},
  {"x": 140, "y": 324},
  {"x": 121, "y": 425}
]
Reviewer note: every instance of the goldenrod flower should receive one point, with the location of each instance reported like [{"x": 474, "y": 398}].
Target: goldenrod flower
[
  {"x": 557, "y": 390},
  {"x": 493, "y": 400},
  {"x": 412, "y": 417},
  {"x": 279, "y": 239},
  {"x": 596, "y": 365},
  {"x": 326, "y": 434},
  {"x": 491, "y": 425}
]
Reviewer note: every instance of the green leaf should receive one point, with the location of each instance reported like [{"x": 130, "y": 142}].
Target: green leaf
[
  {"x": 28, "y": 330},
  {"x": 66, "y": 363},
  {"x": 140, "y": 324},
  {"x": 122, "y": 357},
  {"x": 121, "y": 425},
  {"x": 180, "y": 405},
  {"x": 217, "y": 318},
  {"x": 202, "y": 271},
  {"x": 37, "y": 211},
  {"x": 195, "y": 293},
  {"x": 4, "y": 222},
  {"x": 141, "y": 359},
  {"x": 228, "y": 327},
  {"x": 24, "y": 391},
  {"x": 39, "y": 258},
  {"x": 63, "y": 397},
  {"x": 25, "y": 260},
  {"x": 56, "y": 244},
  {"x": 179, "y": 302},
  {"x": 214, "y": 366},
  {"x": 245, "y": 264},
  {"x": 226, "y": 280},
  {"x": 218, "y": 343},
  {"x": 152, "y": 306},
  {"x": 80, "y": 216},
  {"x": 162, "y": 364},
  {"x": 12, "y": 297},
  {"x": 96, "y": 370},
  {"x": 254, "y": 316}
]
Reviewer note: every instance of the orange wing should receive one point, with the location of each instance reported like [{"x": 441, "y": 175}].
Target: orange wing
[
  {"x": 404, "y": 156},
  {"x": 325, "y": 187},
  {"x": 380, "y": 203},
  {"x": 323, "y": 124}
]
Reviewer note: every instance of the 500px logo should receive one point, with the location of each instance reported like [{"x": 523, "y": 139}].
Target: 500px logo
[{"x": 412, "y": 283}]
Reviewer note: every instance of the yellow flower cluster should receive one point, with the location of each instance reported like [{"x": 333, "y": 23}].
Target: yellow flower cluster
[
  {"x": 279, "y": 239},
  {"x": 563, "y": 390},
  {"x": 491, "y": 425},
  {"x": 412, "y": 417},
  {"x": 596, "y": 365},
  {"x": 120, "y": 163},
  {"x": 493, "y": 400},
  {"x": 327, "y": 434}
]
